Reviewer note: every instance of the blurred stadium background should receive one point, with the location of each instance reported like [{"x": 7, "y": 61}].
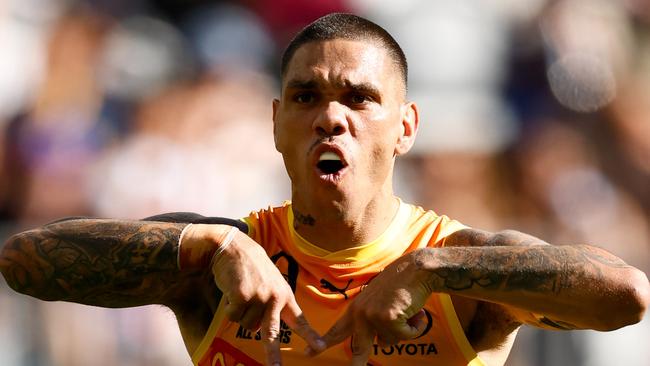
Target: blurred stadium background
[{"x": 535, "y": 116}]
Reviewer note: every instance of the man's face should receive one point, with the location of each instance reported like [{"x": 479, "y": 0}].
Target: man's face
[{"x": 341, "y": 120}]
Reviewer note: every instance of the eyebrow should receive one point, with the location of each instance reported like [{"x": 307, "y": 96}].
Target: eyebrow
[
  {"x": 367, "y": 88},
  {"x": 364, "y": 87},
  {"x": 301, "y": 84}
]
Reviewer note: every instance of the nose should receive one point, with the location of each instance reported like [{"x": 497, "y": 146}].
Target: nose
[{"x": 332, "y": 120}]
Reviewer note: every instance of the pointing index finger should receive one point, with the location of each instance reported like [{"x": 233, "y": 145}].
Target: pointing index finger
[
  {"x": 340, "y": 331},
  {"x": 271, "y": 335},
  {"x": 294, "y": 317}
]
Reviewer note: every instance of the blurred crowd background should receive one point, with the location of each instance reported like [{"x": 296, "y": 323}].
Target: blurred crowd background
[{"x": 535, "y": 115}]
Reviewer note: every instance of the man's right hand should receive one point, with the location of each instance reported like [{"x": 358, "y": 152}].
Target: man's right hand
[{"x": 257, "y": 294}]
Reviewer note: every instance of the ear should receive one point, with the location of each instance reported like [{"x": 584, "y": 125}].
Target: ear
[
  {"x": 276, "y": 106},
  {"x": 409, "y": 128}
]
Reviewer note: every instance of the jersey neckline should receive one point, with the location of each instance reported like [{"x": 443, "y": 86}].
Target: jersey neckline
[{"x": 361, "y": 253}]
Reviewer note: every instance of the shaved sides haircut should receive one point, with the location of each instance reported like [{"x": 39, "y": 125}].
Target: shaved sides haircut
[{"x": 349, "y": 27}]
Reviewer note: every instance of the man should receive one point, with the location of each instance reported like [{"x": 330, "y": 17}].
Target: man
[{"x": 385, "y": 282}]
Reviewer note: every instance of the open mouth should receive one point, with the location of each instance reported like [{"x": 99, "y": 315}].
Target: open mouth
[
  {"x": 330, "y": 166},
  {"x": 330, "y": 163}
]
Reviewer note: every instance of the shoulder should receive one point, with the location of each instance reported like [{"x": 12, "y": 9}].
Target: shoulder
[
  {"x": 272, "y": 221},
  {"x": 430, "y": 228}
]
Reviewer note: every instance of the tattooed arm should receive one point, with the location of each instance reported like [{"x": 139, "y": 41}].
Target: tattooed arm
[
  {"x": 108, "y": 263},
  {"x": 115, "y": 263},
  {"x": 566, "y": 287}
]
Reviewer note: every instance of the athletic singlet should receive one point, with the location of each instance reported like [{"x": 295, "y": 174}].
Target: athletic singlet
[{"x": 324, "y": 282}]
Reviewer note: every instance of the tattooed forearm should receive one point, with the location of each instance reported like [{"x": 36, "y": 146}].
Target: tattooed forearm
[
  {"x": 511, "y": 260},
  {"x": 99, "y": 262},
  {"x": 596, "y": 255},
  {"x": 547, "y": 269},
  {"x": 569, "y": 287}
]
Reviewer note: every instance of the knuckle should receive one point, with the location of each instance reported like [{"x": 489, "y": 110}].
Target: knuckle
[
  {"x": 239, "y": 296},
  {"x": 272, "y": 304},
  {"x": 283, "y": 290},
  {"x": 275, "y": 298},
  {"x": 271, "y": 334}
]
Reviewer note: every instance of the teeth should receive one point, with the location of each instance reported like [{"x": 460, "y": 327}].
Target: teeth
[{"x": 328, "y": 155}]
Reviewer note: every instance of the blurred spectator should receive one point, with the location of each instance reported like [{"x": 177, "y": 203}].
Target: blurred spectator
[
  {"x": 58, "y": 138},
  {"x": 228, "y": 38},
  {"x": 285, "y": 17},
  {"x": 561, "y": 177},
  {"x": 204, "y": 147}
]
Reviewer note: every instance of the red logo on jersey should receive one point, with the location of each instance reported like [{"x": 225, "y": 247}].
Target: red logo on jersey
[{"x": 222, "y": 353}]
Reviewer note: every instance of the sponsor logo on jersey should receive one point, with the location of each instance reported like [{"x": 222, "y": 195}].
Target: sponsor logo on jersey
[
  {"x": 406, "y": 349},
  {"x": 285, "y": 333},
  {"x": 330, "y": 287},
  {"x": 222, "y": 353}
]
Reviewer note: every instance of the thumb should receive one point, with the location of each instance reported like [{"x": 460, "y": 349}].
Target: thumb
[{"x": 418, "y": 322}]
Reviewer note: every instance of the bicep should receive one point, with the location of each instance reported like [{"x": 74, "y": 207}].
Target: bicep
[{"x": 471, "y": 237}]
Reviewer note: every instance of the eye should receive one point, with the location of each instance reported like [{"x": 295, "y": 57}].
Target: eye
[
  {"x": 304, "y": 97},
  {"x": 359, "y": 98}
]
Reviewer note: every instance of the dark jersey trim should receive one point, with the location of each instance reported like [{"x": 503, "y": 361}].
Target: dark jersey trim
[
  {"x": 194, "y": 218},
  {"x": 177, "y": 217}
]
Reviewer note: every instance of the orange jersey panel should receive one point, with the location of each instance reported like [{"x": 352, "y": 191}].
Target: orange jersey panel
[{"x": 324, "y": 283}]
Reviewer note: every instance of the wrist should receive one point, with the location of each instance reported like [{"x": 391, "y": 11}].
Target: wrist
[
  {"x": 427, "y": 264},
  {"x": 199, "y": 244}
]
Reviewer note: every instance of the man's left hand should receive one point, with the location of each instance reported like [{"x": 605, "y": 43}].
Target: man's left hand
[{"x": 389, "y": 308}]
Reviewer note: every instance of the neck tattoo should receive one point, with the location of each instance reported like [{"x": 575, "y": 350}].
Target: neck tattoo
[{"x": 302, "y": 219}]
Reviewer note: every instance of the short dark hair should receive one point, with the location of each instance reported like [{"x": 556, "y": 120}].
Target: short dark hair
[{"x": 350, "y": 27}]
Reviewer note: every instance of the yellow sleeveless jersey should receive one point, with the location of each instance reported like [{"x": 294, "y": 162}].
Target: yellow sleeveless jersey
[{"x": 325, "y": 282}]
